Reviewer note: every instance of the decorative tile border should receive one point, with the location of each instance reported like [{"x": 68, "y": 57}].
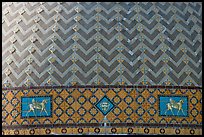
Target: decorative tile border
[
  {"x": 133, "y": 107},
  {"x": 150, "y": 125},
  {"x": 104, "y": 131},
  {"x": 102, "y": 86}
]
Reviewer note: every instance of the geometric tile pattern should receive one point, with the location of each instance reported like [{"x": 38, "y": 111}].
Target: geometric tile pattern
[
  {"x": 79, "y": 106},
  {"x": 100, "y": 130},
  {"x": 106, "y": 43}
]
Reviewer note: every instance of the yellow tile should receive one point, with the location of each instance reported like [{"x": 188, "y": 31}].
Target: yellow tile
[
  {"x": 26, "y": 131},
  {"x": 103, "y": 130},
  {"x": 145, "y": 93},
  {"x": 75, "y": 105},
  {"x": 146, "y": 130},
  {"x": 42, "y": 92},
  {"x": 9, "y": 107},
  {"x": 99, "y": 117},
  {"x": 140, "y": 130},
  {"x": 76, "y": 117},
  {"x": 64, "y": 117},
  {"x": 9, "y": 119},
  {"x": 87, "y": 105},
  {"x": 11, "y": 132},
  {"x": 38, "y": 131},
  {"x": 19, "y": 119},
  {"x": 75, "y": 130},
  {"x": 111, "y": 116},
  {"x": 87, "y": 93},
  {"x": 91, "y": 130},
  {"x": 110, "y": 94},
  {"x": 134, "y": 116},
  {"x": 76, "y": 94},
  {"x": 122, "y": 105},
  {"x": 122, "y": 93},
  {"x": 87, "y": 116},
  {"x": 6, "y": 132},
  {"x": 124, "y": 130},
  {"x": 99, "y": 94},
  {"x": 19, "y": 95},
  {"x": 31, "y": 93},
  {"x": 69, "y": 130},
  {"x": 119, "y": 130},
  {"x": 133, "y": 93},
  {"x": 133, "y": 105},
  {"x": 186, "y": 131},
  {"x": 123, "y": 117},
  {"x": 157, "y": 131},
  {"x": 57, "y": 131},
  {"x": 64, "y": 94},
  {"x": 9, "y": 96}
]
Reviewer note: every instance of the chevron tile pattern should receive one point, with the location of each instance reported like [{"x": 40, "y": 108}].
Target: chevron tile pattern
[{"x": 101, "y": 43}]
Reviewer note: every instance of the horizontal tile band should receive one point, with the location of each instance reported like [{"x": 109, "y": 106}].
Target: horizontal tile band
[
  {"x": 102, "y": 125},
  {"x": 103, "y": 86}
]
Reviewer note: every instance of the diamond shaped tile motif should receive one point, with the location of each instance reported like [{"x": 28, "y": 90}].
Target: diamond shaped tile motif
[{"x": 105, "y": 105}]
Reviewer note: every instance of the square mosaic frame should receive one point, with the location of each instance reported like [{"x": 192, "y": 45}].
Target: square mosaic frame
[
  {"x": 33, "y": 97},
  {"x": 178, "y": 96}
]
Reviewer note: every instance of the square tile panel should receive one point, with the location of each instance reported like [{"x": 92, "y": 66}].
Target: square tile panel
[
  {"x": 36, "y": 106},
  {"x": 173, "y": 106}
]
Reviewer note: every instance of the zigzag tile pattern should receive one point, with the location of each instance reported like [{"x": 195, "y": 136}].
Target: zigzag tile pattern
[{"x": 105, "y": 43}]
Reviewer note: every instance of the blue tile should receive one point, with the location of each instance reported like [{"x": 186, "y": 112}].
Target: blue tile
[
  {"x": 105, "y": 102},
  {"x": 27, "y": 105},
  {"x": 164, "y": 102}
]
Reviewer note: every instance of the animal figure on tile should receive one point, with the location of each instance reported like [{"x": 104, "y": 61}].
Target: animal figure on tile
[
  {"x": 176, "y": 105},
  {"x": 37, "y": 105}
]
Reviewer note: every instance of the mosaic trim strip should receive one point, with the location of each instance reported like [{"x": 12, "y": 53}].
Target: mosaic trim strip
[
  {"x": 104, "y": 131},
  {"x": 74, "y": 107},
  {"x": 151, "y": 125},
  {"x": 101, "y": 86}
]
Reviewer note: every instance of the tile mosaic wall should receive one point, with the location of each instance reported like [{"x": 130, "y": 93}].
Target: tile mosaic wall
[
  {"x": 105, "y": 43},
  {"x": 102, "y": 110},
  {"x": 102, "y": 67}
]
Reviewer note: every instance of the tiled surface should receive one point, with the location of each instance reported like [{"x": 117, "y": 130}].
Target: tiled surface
[
  {"x": 77, "y": 108},
  {"x": 105, "y": 43},
  {"x": 92, "y": 130},
  {"x": 59, "y": 51}
]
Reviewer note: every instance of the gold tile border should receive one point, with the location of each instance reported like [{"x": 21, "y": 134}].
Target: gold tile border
[{"x": 109, "y": 130}]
